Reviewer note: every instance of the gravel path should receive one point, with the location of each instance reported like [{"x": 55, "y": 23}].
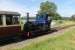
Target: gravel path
[{"x": 34, "y": 40}]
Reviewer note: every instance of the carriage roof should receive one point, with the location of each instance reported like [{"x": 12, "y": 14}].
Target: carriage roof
[{"x": 9, "y": 13}]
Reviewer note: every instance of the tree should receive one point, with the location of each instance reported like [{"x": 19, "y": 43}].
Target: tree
[
  {"x": 57, "y": 16},
  {"x": 50, "y": 8}
]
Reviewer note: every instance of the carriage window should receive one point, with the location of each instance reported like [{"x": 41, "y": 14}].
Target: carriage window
[
  {"x": 0, "y": 20},
  {"x": 8, "y": 20},
  {"x": 15, "y": 19},
  {"x": 11, "y": 20}
]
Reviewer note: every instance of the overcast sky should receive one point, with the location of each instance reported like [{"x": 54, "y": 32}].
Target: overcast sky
[{"x": 65, "y": 7}]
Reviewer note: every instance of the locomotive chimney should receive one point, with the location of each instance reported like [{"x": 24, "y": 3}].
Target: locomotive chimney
[{"x": 27, "y": 17}]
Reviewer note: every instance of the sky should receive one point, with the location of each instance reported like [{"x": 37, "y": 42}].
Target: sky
[{"x": 66, "y": 8}]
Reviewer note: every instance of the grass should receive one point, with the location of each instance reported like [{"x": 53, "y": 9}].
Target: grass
[
  {"x": 62, "y": 42},
  {"x": 61, "y": 23}
]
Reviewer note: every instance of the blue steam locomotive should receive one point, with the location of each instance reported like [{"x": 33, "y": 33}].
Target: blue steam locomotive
[{"x": 41, "y": 24}]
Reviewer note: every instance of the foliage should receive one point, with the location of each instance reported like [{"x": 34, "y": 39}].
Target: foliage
[
  {"x": 50, "y": 8},
  {"x": 56, "y": 16},
  {"x": 47, "y": 7}
]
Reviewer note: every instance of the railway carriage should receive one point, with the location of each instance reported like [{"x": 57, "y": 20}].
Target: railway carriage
[{"x": 9, "y": 24}]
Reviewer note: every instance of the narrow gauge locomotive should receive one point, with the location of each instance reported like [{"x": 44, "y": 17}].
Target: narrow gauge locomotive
[{"x": 41, "y": 24}]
